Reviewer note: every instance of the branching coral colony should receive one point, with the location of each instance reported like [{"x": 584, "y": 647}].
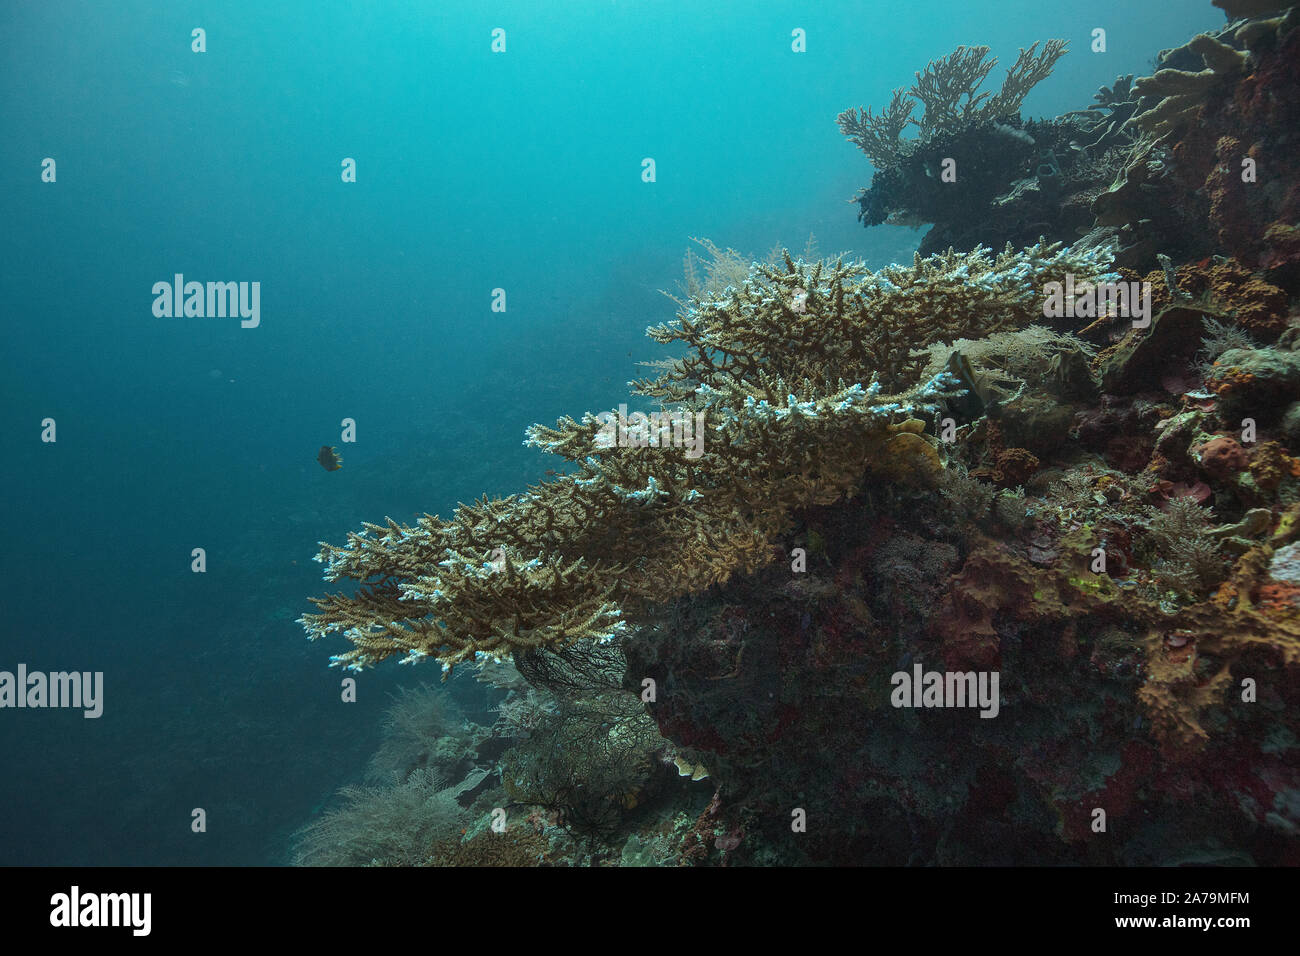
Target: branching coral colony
[
  {"x": 948, "y": 91},
  {"x": 809, "y": 378},
  {"x": 1010, "y": 170}
]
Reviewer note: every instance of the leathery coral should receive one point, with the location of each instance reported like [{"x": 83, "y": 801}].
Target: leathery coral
[{"x": 798, "y": 406}]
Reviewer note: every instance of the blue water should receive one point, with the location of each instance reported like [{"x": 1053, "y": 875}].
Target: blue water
[{"x": 476, "y": 171}]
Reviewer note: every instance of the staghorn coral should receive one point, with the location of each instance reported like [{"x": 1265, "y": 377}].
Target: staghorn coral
[
  {"x": 798, "y": 404},
  {"x": 948, "y": 93},
  {"x": 858, "y": 324},
  {"x": 977, "y": 171},
  {"x": 1115, "y": 692},
  {"x": 880, "y": 137}
]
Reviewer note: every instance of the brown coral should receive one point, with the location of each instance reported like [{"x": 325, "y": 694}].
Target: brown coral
[
  {"x": 1282, "y": 239},
  {"x": 1230, "y": 290},
  {"x": 994, "y": 583},
  {"x": 1228, "y": 380},
  {"x": 1269, "y": 464},
  {"x": 1011, "y": 467},
  {"x": 517, "y": 846},
  {"x": 1259, "y": 306},
  {"x": 1191, "y": 659},
  {"x": 1230, "y": 216},
  {"x": 1222, "y": 457},
  {"x": 1191, "y": 656}
]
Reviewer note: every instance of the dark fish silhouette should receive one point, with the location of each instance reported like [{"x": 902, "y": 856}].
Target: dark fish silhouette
[
  {"x": 329, "y": 458},
  {"x": 971, "y": 405}
]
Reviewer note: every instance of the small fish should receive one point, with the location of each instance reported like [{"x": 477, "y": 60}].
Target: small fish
[
  {"x": 972, "y": 404},
  {"x": 329, "y": 458},
  {"x": 959, "y": 367}
]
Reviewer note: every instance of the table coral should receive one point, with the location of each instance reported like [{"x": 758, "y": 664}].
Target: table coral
[{"x": 798, "y": 407}]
